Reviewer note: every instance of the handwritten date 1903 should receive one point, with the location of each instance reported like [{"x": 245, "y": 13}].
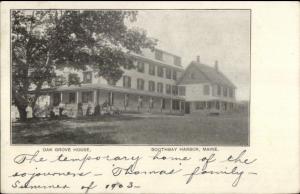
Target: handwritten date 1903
[
  {"x": 112, "y": 186},
  {"x": 120, "y": 186}
]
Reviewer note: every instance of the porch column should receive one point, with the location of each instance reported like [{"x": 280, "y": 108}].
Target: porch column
[
  {"x": 171, "y": 105},
  {"x": 150, "y": 104},
  {"x": 180, "y": 105},
  {"x": 95, "y": 97},
  {"x": 161, "y": 104},
  {"x": 98, "y": 94},
  {"x": 125, "y": 101},
  {"x": 51, "y": 99},
  {"x": 139, "y": 100},
  {"x": 77, "y": 97},
  {"x": 110, "y": 100}
]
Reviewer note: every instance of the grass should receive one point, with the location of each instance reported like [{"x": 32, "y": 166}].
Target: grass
[{"x": 136, "y": 129}]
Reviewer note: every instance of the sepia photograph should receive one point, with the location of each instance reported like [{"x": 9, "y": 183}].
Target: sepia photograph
[
  {"x": 149, "y": 97},
  {"x": 130, "y": 77}
]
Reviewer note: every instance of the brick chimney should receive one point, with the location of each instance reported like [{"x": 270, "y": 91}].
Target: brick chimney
[
  {"x": 217, "y": 65},
  {"x": 198, "y": 59}
]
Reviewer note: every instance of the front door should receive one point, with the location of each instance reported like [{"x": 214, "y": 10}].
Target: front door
[
  {"x": 56, "y": 99},
  {"x": 187, "y": 107}
]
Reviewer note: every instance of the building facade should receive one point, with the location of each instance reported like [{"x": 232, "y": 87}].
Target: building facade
[
  {"x": 149, "y": 87},
  {"x": 207, "y": 89},
  {"x": 157, "y": 84}
]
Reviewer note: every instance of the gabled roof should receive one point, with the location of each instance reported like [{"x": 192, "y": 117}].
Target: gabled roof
[{"x": 213, "y": 75}]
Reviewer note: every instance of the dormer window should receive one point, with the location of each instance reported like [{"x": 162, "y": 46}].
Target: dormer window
[
  {"x": 158, "y": 55},
  {"x": 177, "y": 61},
  {"x": 141, "y": 67},
  {"x": 87, "y": 77}
]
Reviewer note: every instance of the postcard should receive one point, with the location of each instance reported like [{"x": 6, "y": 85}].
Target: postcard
[{"x": 149, "y": 97}]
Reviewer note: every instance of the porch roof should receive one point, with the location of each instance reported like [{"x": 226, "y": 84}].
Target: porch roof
[{"x": 85, "y": 87}]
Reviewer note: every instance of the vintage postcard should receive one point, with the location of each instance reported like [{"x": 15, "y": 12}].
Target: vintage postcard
[{"x": 124, "y": 97}]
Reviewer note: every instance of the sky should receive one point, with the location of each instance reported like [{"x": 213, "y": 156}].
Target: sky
[{"x": 222, "y": 35}]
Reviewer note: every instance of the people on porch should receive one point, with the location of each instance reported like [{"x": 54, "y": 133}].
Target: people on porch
[
  {"x": 79, "y": 110},
  {"x": 61, "y": 108},
  {"x": 140, "y": 103},
  {"x": 97, "y": 110},
  {"x": 89, "y": 109},
  {"x": 150, "y": 104}
]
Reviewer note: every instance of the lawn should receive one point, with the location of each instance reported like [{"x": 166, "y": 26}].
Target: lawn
[{"x": 231, "y": 129}]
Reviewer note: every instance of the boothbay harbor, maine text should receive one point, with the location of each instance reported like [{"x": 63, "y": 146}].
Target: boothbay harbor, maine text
[{"x": 88, "y": 169}]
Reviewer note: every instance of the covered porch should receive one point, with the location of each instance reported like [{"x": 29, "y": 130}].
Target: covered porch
[{"x": 83, "y": 100}]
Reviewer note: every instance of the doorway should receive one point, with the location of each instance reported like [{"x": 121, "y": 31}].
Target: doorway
[{"x": 187, "y": 107}]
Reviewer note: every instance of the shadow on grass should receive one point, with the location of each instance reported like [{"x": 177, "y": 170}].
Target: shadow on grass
[
  {"x": 105, "y": 118},
  {"x": 65, "y": 137}
]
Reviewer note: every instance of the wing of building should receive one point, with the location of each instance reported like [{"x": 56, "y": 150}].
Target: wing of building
[
  {"x": 207, "y": 89},
  {"x": 157, "y": 84}
]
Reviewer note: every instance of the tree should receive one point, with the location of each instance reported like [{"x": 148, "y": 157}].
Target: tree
[{"x": 43, "y": 41}]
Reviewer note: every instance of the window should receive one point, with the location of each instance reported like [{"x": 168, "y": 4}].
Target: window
[
  {"x": 181, "y": 90},
  {"x": 151, "y": 86},
  {"x": 230, "y": 92},
  {"x": 200, "y": 105},
  {"x": 87, "y": 97},
  {"x": 160, "y": 71},
  {"x": 177, "y": 61},
  {"x": 73, "y": 78},
  {"x": 141, "y": 67},
  {"x": 168, "y": 89},
  {"x": 225, "y": 92},
  {"x": 192, "y": 75},
  {"x": 175, "y": 105},
  {"x": 140, "y": 84},
  {"x": 214, "y": 90},
  {"x": 87, "y": 77},
  {"x": 206, "y": 90},
  {"x": 168, "y": 73},
  {"x": 163, "y": 103},
  {"x": 72, "y": 97},
  {"x": 126, "y": 81},
  {"x": 219, "y": 90},
  {"x": 209, "y": 105},
  {"x": 129, "y": 64},
  {"x": 218, "y": 105},
  {"x": 175, "y": 90},
  {"x": 151, "y": 69},
  {"x": 174, "y": 75},
  {"x": 160, "y": 88},
  {"x": 158, "y": 55}
]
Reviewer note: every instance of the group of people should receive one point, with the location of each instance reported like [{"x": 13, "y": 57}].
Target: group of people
[{"x": 61, "y": 110}]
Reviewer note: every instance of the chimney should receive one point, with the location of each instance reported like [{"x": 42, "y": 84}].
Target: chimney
[
  {"x": 216, "y": 65},
  {"x": 198, "y": 59}
]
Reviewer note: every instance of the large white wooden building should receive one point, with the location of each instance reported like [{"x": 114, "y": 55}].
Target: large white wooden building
[{"x": 158, "y": 84}]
